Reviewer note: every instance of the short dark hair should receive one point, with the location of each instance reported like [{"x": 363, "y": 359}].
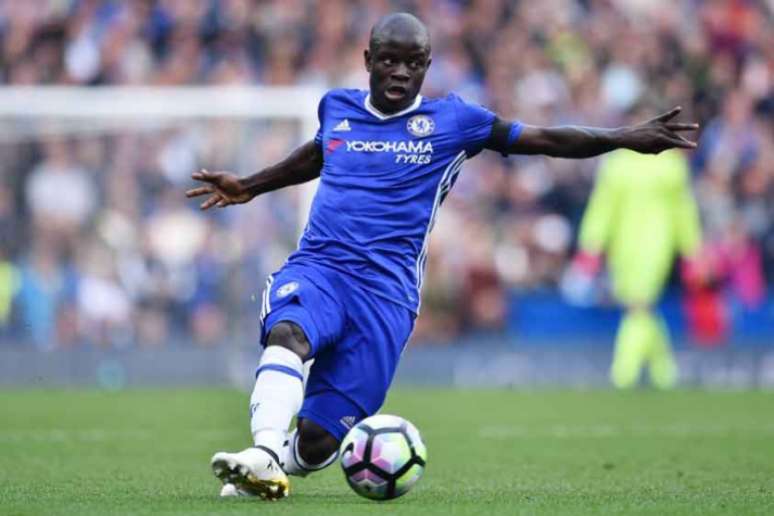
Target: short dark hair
[{"x": 395, "y": 22}]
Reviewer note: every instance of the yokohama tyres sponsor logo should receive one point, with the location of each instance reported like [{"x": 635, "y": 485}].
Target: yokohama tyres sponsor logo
[{"x": 411, "y": 147}]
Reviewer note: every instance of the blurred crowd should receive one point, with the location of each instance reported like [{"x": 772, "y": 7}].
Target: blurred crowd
[{"x": 98, "y": 246}]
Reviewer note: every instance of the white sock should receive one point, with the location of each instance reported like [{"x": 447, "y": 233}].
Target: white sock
[
  {"x": 276, "y": 398},
  {"x": 292, "y": 462}
]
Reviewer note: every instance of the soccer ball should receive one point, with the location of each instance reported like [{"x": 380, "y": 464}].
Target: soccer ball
[{"x": 383, "y": 457}]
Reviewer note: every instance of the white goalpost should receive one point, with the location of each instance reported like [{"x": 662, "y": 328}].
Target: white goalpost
[{"x": 30, "y": 113}]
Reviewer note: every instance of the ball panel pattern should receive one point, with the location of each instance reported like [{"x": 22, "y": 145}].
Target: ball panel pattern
[
  {"x": 383, "y": 457},
  {"x": 407, "y": 481},
  {"x": 390, "y": 452},
  {"x": 357, "y": 438}
]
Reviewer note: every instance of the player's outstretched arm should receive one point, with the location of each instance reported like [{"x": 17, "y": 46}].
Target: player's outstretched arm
[
  {"x": 225, "y": 188},
  {"x": 651, "y": 137}
]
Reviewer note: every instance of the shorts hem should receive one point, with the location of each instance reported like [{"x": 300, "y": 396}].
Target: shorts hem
[
  {"x": 310, "y": 333},
  {"x": 334, "y": 427}
]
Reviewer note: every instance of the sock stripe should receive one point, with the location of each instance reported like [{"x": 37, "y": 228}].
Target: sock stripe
[{"x": 280, "y": 369}]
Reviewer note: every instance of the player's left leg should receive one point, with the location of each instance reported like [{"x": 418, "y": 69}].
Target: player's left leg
[
  {"x": 663, "y": 367},
  {"x": 349, "y": 380},
  {"x": 309, "y": 448}
]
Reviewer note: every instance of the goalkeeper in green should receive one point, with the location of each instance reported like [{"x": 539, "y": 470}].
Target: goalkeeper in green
[{"x": 640, "y": 215}]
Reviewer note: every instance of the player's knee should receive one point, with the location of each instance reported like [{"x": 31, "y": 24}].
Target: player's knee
[
  {"x": 315, "y": 444},
  {"x": 290, "y": 336}
]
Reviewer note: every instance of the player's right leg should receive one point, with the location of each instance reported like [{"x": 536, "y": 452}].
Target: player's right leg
[
  {"x": 632, "y": 345},
  {"x": 276, "y": 399},
  {"x": 300, "y": 317}
]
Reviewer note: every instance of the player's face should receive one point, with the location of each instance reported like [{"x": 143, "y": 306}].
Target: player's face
[{"x": 397, "y": 70}]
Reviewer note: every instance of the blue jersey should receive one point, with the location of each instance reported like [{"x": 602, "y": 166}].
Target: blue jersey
[{"x": 383, "y": 179}]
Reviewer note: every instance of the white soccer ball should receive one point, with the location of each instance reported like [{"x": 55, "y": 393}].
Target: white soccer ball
[{"x": 383, "y": 457}]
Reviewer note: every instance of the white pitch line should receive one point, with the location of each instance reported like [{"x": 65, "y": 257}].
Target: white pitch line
[
  {"x": 601, "y": 431},
  {"x": 95, "y": 435}
]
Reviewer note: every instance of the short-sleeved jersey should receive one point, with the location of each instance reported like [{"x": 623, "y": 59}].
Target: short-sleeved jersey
[{"x": 383, "y": 179}]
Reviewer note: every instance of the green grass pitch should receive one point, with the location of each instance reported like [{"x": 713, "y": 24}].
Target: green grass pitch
[{"x": 490, "y": 452}]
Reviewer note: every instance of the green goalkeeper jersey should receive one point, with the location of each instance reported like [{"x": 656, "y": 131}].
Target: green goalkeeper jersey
[{"x": 641, "y": 214}]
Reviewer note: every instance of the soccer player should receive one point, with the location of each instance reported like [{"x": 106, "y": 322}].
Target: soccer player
[
  {"x": 641, "y": 213},
  {"x": 348, "y": 297}
]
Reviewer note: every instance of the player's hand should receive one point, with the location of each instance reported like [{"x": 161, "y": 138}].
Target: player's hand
[
  {"x": 659, "y": 134},
  {"x": 223, "y": 188},
  {"x": 587, "y": 263}
]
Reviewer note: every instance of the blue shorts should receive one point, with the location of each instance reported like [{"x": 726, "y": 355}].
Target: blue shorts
[{"x": 356, "y": 339}]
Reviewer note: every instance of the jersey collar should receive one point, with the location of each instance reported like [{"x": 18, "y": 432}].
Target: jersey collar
[{"x": 381, "y": 116}]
